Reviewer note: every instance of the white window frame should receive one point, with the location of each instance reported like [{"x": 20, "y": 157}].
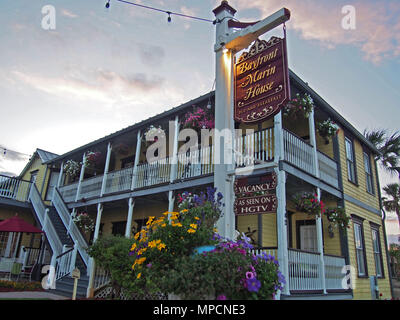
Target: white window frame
[
  {"x": 360, "y": 249},
  {"x": 368, "y": 173},
  {"x": 376, "y": 247},
  {"x": 350, "y": 160}
]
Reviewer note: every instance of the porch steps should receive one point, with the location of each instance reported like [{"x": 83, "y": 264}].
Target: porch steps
[
  {"x": 65, "y": 286},
  {"x": 59, "y": 226}
]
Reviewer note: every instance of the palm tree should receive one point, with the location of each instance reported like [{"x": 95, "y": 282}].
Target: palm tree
[
  {"x": 393, "y": 202},
  {"x": 389, "y": 147}
]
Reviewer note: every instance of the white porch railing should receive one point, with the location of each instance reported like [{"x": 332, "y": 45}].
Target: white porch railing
[
  {"x": 271, "y": 251},
  {"x": 152, "y": 173},
  {"x": 13, "y": 188},
  {"x": 71, "y": 227},
  {"x": 68, "y": 192},
  {"x": 328, "y": 169},
  {"x": 90, "y": 188},
  {"x": 28, "y": 256},
  {"x": 101, "y": 278},
  {"x": 333, "y": 272},
  {"x": 298, "y": 152},
  {"x": 119, "y": 180},
  {"x": 304, "y": 271}
]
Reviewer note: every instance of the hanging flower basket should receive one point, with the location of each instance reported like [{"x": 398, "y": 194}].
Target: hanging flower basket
[
  {"x": 198, "y": 119},
  {"x": 92, "y": 158},
  {"x": 153, "y": 134},
  {"x": 72, "y": 168},
  {"x": 338, "y": 217},
  {"x": 308, "y": 203},
  {"x": 327, "y": 129},
  {"x": 84, "y": 222},
  {"x": 301, "y": 106}
]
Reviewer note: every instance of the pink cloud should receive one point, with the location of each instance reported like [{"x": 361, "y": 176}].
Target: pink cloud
[{"x": 377, "y": 32}]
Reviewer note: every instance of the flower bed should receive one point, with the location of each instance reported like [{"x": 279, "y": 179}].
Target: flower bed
[{"x": 10, "y": 286}]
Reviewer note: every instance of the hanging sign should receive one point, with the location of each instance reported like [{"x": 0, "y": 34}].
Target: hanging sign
[
  {"x": 261, "y": 81},
  {"x": 255, "y": 205},
  {"x": 257, "y": 197}
]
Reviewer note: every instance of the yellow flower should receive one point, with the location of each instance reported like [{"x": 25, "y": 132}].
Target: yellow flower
[
  {"x": 133, "y": 247},
  {"x": 140, "y": 260},
  {"x": 158, "y": 241},
  {"x": 137, "y": 235},
  {"x": 215, "y": 230},
  {"x": 194, "y": 226},
  {"x": 177, "y": 224},
  {"x": 191, "y": 231},
  {"x": 184, "y": 210},
  {"x": 139, "y": 275},
  {"x": 152, "y": 244},
  {"x": 173, "y": 217},
  {"x": 161, "y": 246},
  {"x": 164, "y": 225},
  {"x": 151, "y": 218},
  {"x": 141, "y": 251},
  {"x": 197, "y": 218}
]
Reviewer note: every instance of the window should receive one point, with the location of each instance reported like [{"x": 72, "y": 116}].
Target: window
[
  {"x": 377, "y": 252},
  {"x": 52, "y": 184},
  {"x": 351, "y": 174},
  {"x": 118, "y": 228},
  {"x": 360, "y": 249},
  {"x": 368, "y": 173}
]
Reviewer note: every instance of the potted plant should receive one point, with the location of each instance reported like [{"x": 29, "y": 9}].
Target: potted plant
[
  {"x": 169, "y": 256},
  {"x": 327, "y": 129},
  {"x": 308, "y": 202},
  {"x": 72, "y": 168},
  {"x": 153, "y": 133},
  {"x": 84, "y": 221},
  {"x": 301, "y": 105},
  {"x": 92, "y": 158},
  {"x": 338, "y": 217}
]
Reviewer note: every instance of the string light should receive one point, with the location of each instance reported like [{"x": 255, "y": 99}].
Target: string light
[
  {"x": 169, "y": 13},
  {"x": 5, "y": 150}
]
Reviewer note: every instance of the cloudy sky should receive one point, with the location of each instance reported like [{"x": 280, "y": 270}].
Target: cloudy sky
[{"x": 103, "y": 69}]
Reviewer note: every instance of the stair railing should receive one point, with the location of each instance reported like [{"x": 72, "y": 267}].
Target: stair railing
[
  {"x": 47, "y": 226},
  {"x": 65, "y": 262},
  {"x": 71, "y": 227}
]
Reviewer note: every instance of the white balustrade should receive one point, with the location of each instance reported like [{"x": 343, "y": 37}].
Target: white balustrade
[
  {"x": 65, "y": 262},
  {"x": 68, "y": 192},
  {"x": 333, "y": 272},
  {"x": 304, "y": 271},
  {"x": 298, "y": 152},
  {"x": 90, "y": 188},
  {"x": 119, "y": 180},
  {"x": 328, "y": 169},
  {"x": 101, "y": 278},
  {"x": 13, "y": 188}
]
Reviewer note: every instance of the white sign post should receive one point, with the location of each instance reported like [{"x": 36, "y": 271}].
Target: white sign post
[{"x": 76, "y": 275}]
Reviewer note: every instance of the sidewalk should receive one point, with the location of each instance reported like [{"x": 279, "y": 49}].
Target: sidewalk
[{"x": 40, "y": 295}]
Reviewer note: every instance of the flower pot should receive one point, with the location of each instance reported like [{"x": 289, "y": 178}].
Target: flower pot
[{"x": 202, "y": 249}]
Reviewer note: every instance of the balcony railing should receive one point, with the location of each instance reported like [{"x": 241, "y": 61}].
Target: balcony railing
[
  {"x": 13, "y": 188},
  {"x": 249, "y": 149},
  {"x": 305, "y": 271}
]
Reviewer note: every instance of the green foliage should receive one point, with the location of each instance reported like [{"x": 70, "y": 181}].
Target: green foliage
[
  {"x": 112, "y": 254},
  {"x": 338, "y": 217},
  {"x": 21, "y": 286}
]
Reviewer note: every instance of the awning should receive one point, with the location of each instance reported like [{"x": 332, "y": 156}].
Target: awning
[{"x": 16, "y": 224}]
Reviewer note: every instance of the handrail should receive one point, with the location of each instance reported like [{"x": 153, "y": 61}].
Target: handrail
[
  {"x": 304, "y": 251},
  {"x": 298, "y": 137},
  {"x": 15, "y": 178},
  {"x": 71, "y": 227},
  {"x": 64, "y": 253},
  {"x": 47, "y": 225}
]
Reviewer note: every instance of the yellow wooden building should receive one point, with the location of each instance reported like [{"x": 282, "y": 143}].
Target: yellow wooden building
[{"x": 120, "y": 189}]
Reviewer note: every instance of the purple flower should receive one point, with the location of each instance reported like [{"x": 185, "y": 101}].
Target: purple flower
[
  {"x": 253, "y": 285},
  {"x": 149, "y": 265},
  {"x": 221, "y": 297},
  {"x": 249, "y": 275}
]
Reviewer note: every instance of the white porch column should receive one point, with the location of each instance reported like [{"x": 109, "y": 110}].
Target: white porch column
[
  {"x": 318, "y": 220},
  {"x": 16, "y": 244},
  {"x": 137, "y": 157},
  {"x": 10, "y": 239},
  {"x": 174, "y": 160},
  {"x": 129, "y": 219},
  {"x": 224, "y": 119},
  {"x": 281, "y": 219},
  {"x": 107, "y": 165},
  {"x": 91, "y": 266},
  {"x": 59, "y": 181},
  {"x": 78, "y": 190}
]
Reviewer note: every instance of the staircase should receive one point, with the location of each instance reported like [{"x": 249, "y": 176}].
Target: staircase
[{"x": 66, "y": 241}]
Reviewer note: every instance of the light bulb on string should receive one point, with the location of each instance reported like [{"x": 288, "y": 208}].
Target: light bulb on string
[
  {"x": 169, "y": 17},
  {"x": 108, "y": 4}
]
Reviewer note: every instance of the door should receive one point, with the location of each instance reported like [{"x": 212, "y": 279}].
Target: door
[{"x": 308, "y": 238}]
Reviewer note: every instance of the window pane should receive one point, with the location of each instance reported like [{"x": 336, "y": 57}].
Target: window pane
[
  {"x": 377, "y": 253},
  {"x": 349, "y": 150},
  {"x": 360, "y": 262}
]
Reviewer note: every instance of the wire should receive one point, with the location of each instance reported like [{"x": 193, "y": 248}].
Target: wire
[
  {"x": 165, "y": 11},
  {"x": 5, "y": 150}
]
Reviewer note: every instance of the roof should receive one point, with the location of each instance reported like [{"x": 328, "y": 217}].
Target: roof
[
  {"x": 45, "y": 157},
  {"x": 296, "y": 80},
  {"x": 16, "y": 224}
]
